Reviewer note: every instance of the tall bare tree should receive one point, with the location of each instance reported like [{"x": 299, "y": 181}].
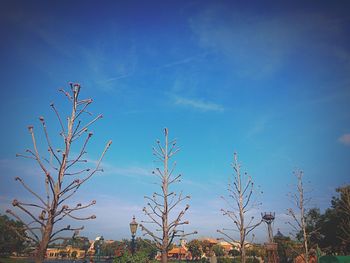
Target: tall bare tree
[
  {"x": 63, "y": 175},
  {"x": 241, "y": 200},
  {"x": 299, "y": 215},
  {"x": 161, "y": 206}
]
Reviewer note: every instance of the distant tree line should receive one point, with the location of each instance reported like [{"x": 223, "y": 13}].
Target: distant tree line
[
  {"x": 10, "y": 242},
  {"x": 327, "y": 233},
  {"x": 330, "y": 230}
]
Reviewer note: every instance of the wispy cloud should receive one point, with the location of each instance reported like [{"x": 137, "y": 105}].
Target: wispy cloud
[
  {"x": 256, "y": 45},
  {"x": 183, "y": 61},
  {"x": 129, "y": 171},
  {"x": 345, "y": 139},
  {"x": 258, "y": 126},
  {"x": 116, "y": 78},
  {"x": 242, "y": 42},
  {"x": 17, "y": 167},
  {"x": 198, "y": 104}
]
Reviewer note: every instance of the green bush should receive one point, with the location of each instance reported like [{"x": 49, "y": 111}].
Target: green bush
[
  {"x": 252, "y": 260},
  {"x": 139, "y": 257},
  {"x": 225, "y": 260},
  {"x": 236, "y": 260}
]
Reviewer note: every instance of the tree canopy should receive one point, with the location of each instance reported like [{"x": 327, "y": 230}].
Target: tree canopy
[
  {"x": 10, "y": 241},
  {"x": 330, "y": 231}
]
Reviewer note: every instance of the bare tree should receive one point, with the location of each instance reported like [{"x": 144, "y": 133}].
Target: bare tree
[
  {"x": 63, "y": 175},
  {"x": 241, "y": 201},
  {"x": 161, "y": 206},
  {"x": 299, "y": 217}
]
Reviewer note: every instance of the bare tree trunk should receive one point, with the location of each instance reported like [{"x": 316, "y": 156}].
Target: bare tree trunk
[
  {"x": 243, "y": 254},
  {"x": 164, "y": 258},
  {"x": 241, "y": 217},
  {"x": 165, "y": 242},
  {"x": 44, "y": 243},
  {"x": 300, "y": 222},
  {"x": 302, "y": 219}
]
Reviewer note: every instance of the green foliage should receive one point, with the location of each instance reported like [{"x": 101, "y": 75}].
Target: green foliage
[
  {"x": 9, "y": 241},
  {"x": 122, "y": 249},
  {"x": 342, "y": 206},
  {"x": 237, "y": 260},
  {"x": 205, "y": 244},
  {"x": 109, "y": 249},
  {"x": 234, "y": 253},
  {"x": 218, "y": 250},
  {"x": 331, "y": 230},
  {"x": 337, "y": 259},
  {"x": 139, "y": 257},
  {"x": 194, "y": 246},
  {"x": 286, "y": 248},
  {"x": 225, "y": 260},
  {"x": 146, "y": 246},
  {"x": 313, "y": 217},
  {"x": 252, "y": 260}
]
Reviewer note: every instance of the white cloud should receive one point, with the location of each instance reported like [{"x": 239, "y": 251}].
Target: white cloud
[
  {"x": 345, "y": 139},
  {"x": 198, "y": 104}
]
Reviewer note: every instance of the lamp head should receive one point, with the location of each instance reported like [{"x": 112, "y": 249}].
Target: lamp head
[{"x": 133, "y": 226}]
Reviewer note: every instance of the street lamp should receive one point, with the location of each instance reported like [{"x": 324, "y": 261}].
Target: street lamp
[
  {"x": 86, "y": 246},
  {"x": 99, "y": 246},
  {"x": 180, "y": 250},
  {"x": 133, "y": 228}
]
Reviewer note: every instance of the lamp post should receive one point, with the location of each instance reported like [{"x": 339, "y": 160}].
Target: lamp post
[
  {"x": 99, "y": 245},
  {"x": 133, "y": 228},
  {"x": 86, "y": 246},
  {"x": 180, "y": 250}
]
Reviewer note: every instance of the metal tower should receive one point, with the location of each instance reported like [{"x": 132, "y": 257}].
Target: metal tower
[{"x": 271, "y": 247}]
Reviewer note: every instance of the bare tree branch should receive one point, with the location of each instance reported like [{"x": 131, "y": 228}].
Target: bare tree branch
[
  {"x": 241, "y": 193},
  {"x": 161, "y": 204},
  {"x": 300, "y": 219},
  {"x": 56, "y": 190}
]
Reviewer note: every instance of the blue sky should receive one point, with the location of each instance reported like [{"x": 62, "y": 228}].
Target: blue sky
[{"x": 269, "y": 80}]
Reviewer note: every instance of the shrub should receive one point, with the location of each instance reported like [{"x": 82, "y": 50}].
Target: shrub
[
  {"x": 225, "y": 260},
  {"x": 139, "y": 257}
]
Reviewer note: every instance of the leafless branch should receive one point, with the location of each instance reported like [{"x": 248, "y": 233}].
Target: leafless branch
[
  {"x": 57, "y": 191},
  {"x": 162, "y": 204},
  {"x": 300, "y": 220},
  {"x": 241, "y": 193}
]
